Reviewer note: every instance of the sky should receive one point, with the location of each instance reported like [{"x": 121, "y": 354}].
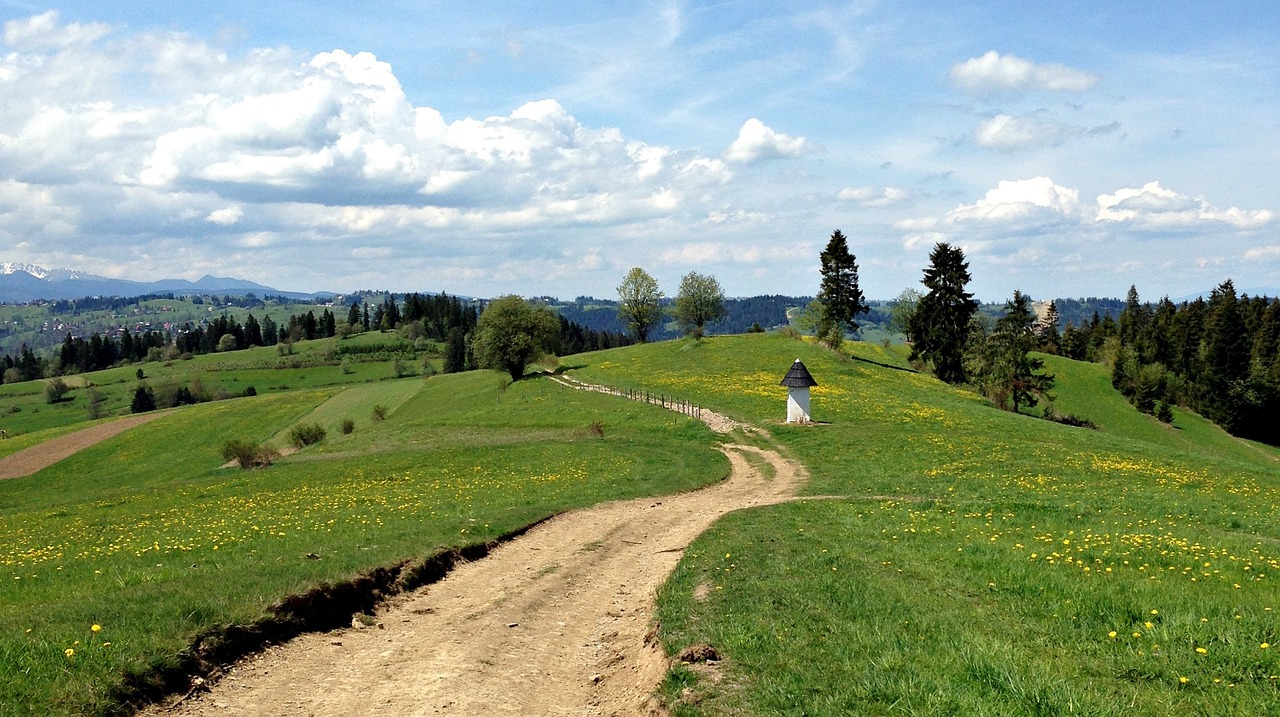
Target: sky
[{"x": 1070, "y": 149}]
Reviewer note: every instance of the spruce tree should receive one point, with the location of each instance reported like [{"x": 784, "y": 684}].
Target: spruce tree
[
  {"x": 940, "y": 326},
  {"x": 842, "y": 300}
]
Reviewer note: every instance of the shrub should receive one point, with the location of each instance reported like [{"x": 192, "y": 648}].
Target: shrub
[
  {"x": 346, "y": 368},
  {"x": 596, "y": 429},
  {"x": 55, "y": 390},
  {"x": 398, "y": 369},
  {"x": 250, "y": 391},
  {"x": 247, "y": 454},
  {"x": 305, "y": 434},
  {"x": 1164, "y": 412},
  {"x": 380, "y": 412},
  {"x": 428, "y": 368},
  {"x": 347, "y": 427}
]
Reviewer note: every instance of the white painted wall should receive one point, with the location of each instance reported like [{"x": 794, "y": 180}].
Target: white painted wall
[{"x": 798, "y": 404}]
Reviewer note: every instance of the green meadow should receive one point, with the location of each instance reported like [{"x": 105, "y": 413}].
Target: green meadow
[
  {"x": 957, "y": 559},
  {"x": 115, "y": 559},
  {"x": 945, "y": 558}
]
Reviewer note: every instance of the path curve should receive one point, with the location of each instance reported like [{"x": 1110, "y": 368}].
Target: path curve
[
  {"x": 552, "y": 623},
  {"x": 42, "y": 455}
]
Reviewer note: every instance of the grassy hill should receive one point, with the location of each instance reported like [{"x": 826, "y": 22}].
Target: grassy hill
[
  {"x": 150, "y": 539},
  {"x": 965, "y": 560},
  {"x": 950, "y": 558}
]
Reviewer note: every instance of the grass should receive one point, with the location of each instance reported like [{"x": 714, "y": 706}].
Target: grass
[
  {"x": 148, "y": 537},
  {"x": 979, "y": 561}
]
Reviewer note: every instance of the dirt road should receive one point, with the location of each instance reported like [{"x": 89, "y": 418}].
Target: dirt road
[
  {"x": 553, "y": 623},
  {"x": 42, "y": 455}
]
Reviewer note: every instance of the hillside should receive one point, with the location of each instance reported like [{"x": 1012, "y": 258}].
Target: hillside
[
  {"x": 952, "y": 559},
  {"x": 967, "y": 560}
]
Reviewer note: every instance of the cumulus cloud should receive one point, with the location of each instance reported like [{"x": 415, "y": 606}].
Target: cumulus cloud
[
  {"x": 993, "y": 74},
  {"x": 873, "y": 197},
  {"x": 1154, "y": 207},
  {"x": 116, "y": 141},
  {"x": 1022, "y": 202},
  {"x": 1008, "y": 133},
  {"x": 757, "y": 141}
]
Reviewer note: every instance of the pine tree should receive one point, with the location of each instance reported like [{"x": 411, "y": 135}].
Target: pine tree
[
  {"x": 1013, "y": 374},
  {"x": 841, "y": 298},
  {"x": 940, "y": 326}
]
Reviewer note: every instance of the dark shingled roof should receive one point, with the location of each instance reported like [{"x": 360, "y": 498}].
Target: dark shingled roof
[{"x": 797, "y": 377}]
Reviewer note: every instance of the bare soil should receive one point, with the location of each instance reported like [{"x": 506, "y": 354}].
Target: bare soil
[
  {"x": 40, "y": 456},
  {"x": 556, "y": 622}
]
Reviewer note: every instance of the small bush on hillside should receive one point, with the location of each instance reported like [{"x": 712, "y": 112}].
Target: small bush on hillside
[
  {"x": 380, "y": 412},
  {"x": 247, "y": 454},
  {"x": 55, "y": 390},
  {"x": 347, "y": 426},
  {"x": 305, "y": 434},
  {"x": 1164, "y": 412},
  {"x": 95, "y": 404},
  {"x": 399, "y": 369},
  {"x": 346, "y": 368},
  {"x": 428, "y": 368}
]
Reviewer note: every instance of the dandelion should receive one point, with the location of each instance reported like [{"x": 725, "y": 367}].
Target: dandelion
[
  {"x": 1148, "y": 625},
  {"x": 1201, "y": 651},
  {"x": 1137, "y": 634},
  {"x": 1112, "y": 634},
  {"x": 96, "y": 628},
  {"x": 1264, "y": 645},
  {"x": 1183, "y": 680},
  {"x": 69, "y": 653}
]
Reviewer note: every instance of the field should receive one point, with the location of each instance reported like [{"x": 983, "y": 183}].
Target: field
[
  {"x": 947, "y": 558},
  {"x": 117, "y": 558},
  {"x": 965, "y": 560}
]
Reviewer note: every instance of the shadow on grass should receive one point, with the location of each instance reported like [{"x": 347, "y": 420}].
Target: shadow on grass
[{"x": 884, "y": 365}]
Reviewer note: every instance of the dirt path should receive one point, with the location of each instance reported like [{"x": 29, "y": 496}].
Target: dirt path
[
  {"x": 553, "y": 623},
  {"x": 42, "y": 455}
]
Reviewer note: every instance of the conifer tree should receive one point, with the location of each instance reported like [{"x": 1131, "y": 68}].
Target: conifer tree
[
  {"x": 940, "y": 326},
  {"x": 841, "y": 298}
]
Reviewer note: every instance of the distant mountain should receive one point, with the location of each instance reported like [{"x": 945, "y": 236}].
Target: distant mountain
[{"x": 23, "y": 283}]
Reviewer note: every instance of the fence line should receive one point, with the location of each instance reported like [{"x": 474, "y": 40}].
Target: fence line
[{"x": 671, "y": 403}]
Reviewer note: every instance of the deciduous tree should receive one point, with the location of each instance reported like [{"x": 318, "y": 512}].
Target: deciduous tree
[
  {"x": 512, "y": 332},
  {"x": 639, "y": 303},
  {"x": 700, "y": 300}
]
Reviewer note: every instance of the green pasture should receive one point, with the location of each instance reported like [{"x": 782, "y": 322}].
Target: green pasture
[
  {"x": 969, "y": 561},
  {"x": 149, "y": 538},
  {"x": 306, "y": 365}
]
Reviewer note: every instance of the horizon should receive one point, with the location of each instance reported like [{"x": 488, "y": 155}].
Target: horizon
[{"x": 1069, "y": 151}]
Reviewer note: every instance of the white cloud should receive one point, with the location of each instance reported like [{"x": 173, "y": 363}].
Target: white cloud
[
  {"x": 994, "y": 73},
  {"x": 1154, "y": 207},
  {"x": 757, "y": 141},
  {"x": 874, "y": 196},
  {"x": 1008, "y": 133},
  {"x": 1023, "y": 202},
  {"x": 1262, "y": 252},
  {"x": 226, "y": 216},
  {"x": 42, "y": 31}
]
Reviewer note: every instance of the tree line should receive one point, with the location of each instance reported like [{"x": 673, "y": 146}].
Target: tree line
[
  {"x": 1219, "y": 357},
  {"x": 446, "y": 319}
]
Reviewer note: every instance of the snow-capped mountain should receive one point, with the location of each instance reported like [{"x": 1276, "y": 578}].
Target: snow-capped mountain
[{"x": 22, "y": 283}]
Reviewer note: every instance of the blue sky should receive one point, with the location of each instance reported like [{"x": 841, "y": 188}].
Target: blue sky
[{"x": 1071, "y": 149}]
